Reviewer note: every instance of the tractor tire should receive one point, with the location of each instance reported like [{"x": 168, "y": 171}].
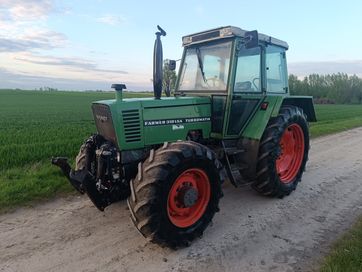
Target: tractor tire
[
  {"x": 80, "y": 162},
  {"x": 283, "y": 153},
  {"x": 176, "y": 193}
]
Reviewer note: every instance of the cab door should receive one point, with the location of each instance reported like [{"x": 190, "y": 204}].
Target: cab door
[{"x": 247, "y": 90}]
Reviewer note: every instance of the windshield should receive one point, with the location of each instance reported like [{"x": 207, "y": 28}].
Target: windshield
[{"x": 206, "y": 68}]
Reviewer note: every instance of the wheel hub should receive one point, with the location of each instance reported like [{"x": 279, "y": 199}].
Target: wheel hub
[{"x": 188, "y": 196}]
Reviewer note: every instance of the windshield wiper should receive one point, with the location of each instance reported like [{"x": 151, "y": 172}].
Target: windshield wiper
[{"x": 201, "y": 65}]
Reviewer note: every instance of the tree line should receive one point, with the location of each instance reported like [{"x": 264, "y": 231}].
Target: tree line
[{"x": 328, "y": 89}]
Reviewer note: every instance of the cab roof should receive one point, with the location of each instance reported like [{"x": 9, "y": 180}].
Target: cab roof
[{"x": 227, "y": 32}]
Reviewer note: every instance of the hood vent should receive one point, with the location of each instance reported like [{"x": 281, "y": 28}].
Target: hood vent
[{"x": 132, "y": 125}]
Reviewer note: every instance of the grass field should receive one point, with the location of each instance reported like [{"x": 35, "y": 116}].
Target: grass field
[
  {"x": 346, "y": 254},
  {"x": 336, "y": 118},
  {"x": 34, "y": 126}
]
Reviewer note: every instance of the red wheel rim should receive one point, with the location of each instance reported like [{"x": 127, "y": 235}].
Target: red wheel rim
[
  {"x": 193, "y": 180},
  {"x": 292, "y": 152}
]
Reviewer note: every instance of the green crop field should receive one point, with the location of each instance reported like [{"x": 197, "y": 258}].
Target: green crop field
[
  {"x": 35, "y": 125},
  {"x": 336, "y": 118}
]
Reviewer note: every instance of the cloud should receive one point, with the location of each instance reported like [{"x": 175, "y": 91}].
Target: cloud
[
  {"x": 17, "y": 45},
  {"x": 25, "y": 10},
  {"x": 74, "y": 63},
  {"x": 13, "y": 80},
  {"x": 25, "y": 34},
  {"x": 34, "y": 40},
  {"x": 22, "y": 26},
  {"x": 326, "y": 67},
  {"x": 24, "y": 81},
  {"x": 110, "y": 20}
]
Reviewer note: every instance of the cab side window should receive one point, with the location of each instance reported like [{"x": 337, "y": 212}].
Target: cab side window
[{"x": 276, "y": 70}]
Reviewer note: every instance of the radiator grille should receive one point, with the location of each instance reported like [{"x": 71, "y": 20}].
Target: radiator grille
[
  {"x": 103, "y": 119},
  {"x": 132, "y": 125}
]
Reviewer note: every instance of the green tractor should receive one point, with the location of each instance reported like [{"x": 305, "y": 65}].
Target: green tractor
[{"x": 231, "y": 117}]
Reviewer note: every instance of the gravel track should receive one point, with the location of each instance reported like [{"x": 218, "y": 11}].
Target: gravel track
[{"x": 250, "y": 233}]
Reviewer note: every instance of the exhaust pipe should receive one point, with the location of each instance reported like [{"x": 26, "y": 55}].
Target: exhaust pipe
[{"x": 158, "y": 64}]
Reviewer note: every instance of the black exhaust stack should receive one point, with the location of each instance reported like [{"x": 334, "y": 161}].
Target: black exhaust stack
[{"x": 158, "y": 64}]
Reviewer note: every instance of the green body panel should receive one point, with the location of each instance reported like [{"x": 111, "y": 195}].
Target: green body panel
[
  {"x": 181, "y": 119},
  {"x": 277, "y": 105},
  {"x": 258, "y": 122},
  {"x": 167, "y": 119}
]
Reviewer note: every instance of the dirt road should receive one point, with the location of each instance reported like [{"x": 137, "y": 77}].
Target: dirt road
[{"x": 251, "y": 233}]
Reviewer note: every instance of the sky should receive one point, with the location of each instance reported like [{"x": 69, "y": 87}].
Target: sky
[{"x": 88, "y": 45}]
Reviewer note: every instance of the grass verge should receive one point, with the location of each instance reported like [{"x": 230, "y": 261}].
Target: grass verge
[
  {"x": 346, "y": 253},
  {"x": 28, "y": 184}
]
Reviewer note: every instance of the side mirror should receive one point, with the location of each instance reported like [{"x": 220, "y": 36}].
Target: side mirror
[
  {"x": 171, "y": 65},
  {"x": 251, "y": 39}
]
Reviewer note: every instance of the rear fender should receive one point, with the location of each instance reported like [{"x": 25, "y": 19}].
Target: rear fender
[{"x": 303, "y": 102}]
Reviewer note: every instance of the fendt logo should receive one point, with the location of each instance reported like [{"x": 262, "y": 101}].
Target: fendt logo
[{"x": 101, "y": 118}]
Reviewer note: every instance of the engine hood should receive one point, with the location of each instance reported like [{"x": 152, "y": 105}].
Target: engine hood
[{"x": 141, "y": 122}]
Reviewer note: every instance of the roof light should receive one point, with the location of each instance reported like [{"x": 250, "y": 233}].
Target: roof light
[
  {"x": 186, "y": 40},
  {"x": 225, "y": 32}
]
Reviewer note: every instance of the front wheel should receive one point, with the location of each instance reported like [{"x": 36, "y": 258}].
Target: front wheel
[
  {"x": 176, "y": 193},
  {"x": 283, "y": 153}
]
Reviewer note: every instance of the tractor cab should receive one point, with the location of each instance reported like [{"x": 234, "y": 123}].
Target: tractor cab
[{"x": 237, "y": 69}]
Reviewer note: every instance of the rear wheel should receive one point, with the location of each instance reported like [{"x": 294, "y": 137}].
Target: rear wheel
[
  {"x": 176, "y": 193},
  {"x": 283, "y": 153}
]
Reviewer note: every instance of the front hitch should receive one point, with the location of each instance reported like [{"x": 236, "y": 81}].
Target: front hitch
[
  {"x": 62, "y": 163},
  {"x": 82, "y": 181}
]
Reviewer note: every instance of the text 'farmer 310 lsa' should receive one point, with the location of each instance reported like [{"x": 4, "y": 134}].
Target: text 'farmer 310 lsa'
[{"x": 231, "y": 117}]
